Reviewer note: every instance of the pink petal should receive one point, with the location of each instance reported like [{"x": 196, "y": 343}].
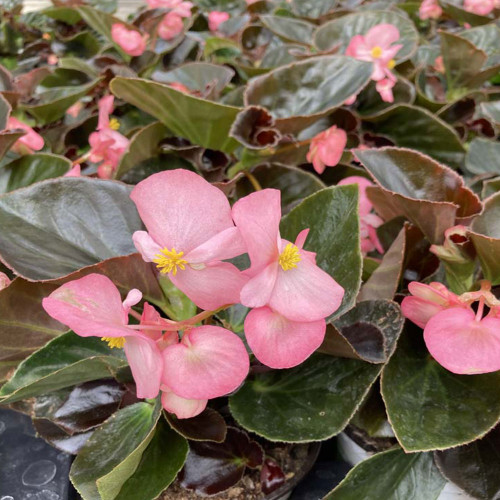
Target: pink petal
[
  {"x": 180, "y": 209},
  {"x": 257, "y": 292},
  {"x": 170, "y": 26},
  {"x": 146, "y": 363},
  {"x": 4, "y": 281},
  {"x": 365, "y": 204},
  {"x": 224, "y": 245},
  {"x": 32, "y": 140},
  {"x": 105, "y": 109},
  {"x": 257, "y": 216},
  {"x": 90, "y": 306},
  {"x": 209, "y": 362},
  {"x": 419, "y": 311},
  {"x": 151, "y": 316},
  {"x": 382, "y": 35},
  {"x": 133, "y": 297},
  {"x": 357, "y": 48},
  {"x": 145, "y": 245},
  {"x": 75, "y": 171},
  {"x": 214, "y": 286},
  {"x": 305, "y": 293},
  {"x": 181, "y": 407},
  {"x": 130, "y": 41},
  {"x": 216, "y": 18},
  {"x": 278, "y": 342},
  {"x": 463, "y": 345}
]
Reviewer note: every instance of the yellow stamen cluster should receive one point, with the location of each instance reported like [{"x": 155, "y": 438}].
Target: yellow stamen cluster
[
  {"x": 169, "y": 260},
  {"x": 377, "y": 52},
  {"x": 114, "y": 124},
  {"x": 391, "y": 64},
  {"x": 289, "y": 257},
  {"x": 113, "y": 342}
]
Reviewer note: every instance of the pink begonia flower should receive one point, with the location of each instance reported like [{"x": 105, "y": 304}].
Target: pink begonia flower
[
  {"x": 190, "y": 233},
  {"x": 170, "y": 26},
  {"x": 4, "y": 281},
  {"x": 181, "y": 407},
  {"x": 207, "y": 363},
  {"x": 107, "y": 145},
  {"x": 369, "y": 222},
  {"x": 283, "y": 275},
  {"x": 479, "y": 7},
  {"x": 216, "y": 18},
  {"x": 326, "y": 148},
  {"x": 429, "y": 9},
  {"x": 279, "y": 342},
  {"x": 29, "y": 142},
  {"x": 74, "y": 171},
  {"x": 52, "y": 59},
  {"x": 439, "y": 64},
  {"x": 92, "y": 307},
  {"x": 426, "y": 301},
  {"x": 130, "y": 41},
  {"x": 377, "y": 47},
  {"x": 384, "y": 88},
  {"x": 74, "y": 110}
]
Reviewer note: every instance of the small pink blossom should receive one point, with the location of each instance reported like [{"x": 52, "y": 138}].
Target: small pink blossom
[
  {"x": 92, "y": 306},
  {"x": 479, "y": 7},
  {"x": 216, "y": 18},
  {"x": 369, "y": 222},
  {"x": 29, "y": 142},
  {"x": 326, "y": 148},
  {"x": 170, "y": 26},
  {"x": 74, "y": 110},
  {"x": 180, "y": 87},
  {"x": 52, "y": 59},
  {"x": 351, "y": 100},
  {"x": 384, "y": 88},
  {"x": 377, "y": 47},
  {"x": 4, "y": 281},
  {"x": 106, "y": 145},
  {"x": 190, "y": 234},
  {"x": 130, "y": 41},
  {"x": 74, "y": 171},
  {"x": 430, "y": 9},
  {"x": 439, "y": 64}
]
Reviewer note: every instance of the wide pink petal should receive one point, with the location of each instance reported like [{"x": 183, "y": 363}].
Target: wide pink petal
[
  {"x": 214, "y": 286},
  {"x": 420, "y": 311},
  {"x": 145, "y": 245},
  {"x": 382, "y": 35},
  {"x": 365, "y": 205},
  {"x": 305, "y": 293},
  {"x": 224, "y": 245},
  {"x": 357, "y": 48},
  {"x": 257, "y": 292},
  {"x": 180, "y": 209},
  {"x": 90, "y": 306},
  {"x": 216, "y": 18},
  {"x": 146, "y": 363},
  {"x": 209, "y": 362},
  {"x": 181, "y": 407},
  {"x": 257, "y": 216},
  {"x": 278, "y": 342},
  {"x": 463, "y": 345},
  {"x": 32, "y": 139}
]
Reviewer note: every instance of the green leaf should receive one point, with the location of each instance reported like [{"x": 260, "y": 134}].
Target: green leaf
[
  {"x": 299, "y": 93},
  {"x": 474, "y": 467},
  {"x": 313, "y": 9},
  {"x": 341, "y": 30},
  {"x": 289, "y": 29},
  {"x": 428, "y": 194},
  {"x": 143, "y": 146},
  {"x": 209, "y": 425},
  {"x": 384, "y": 281},
  {"x": 203, "y": 122},
  {"x": 67, "y": 15},
  {"x": 485, "y": 235},
  {"x": 5, "y": 110},
  {"x": 416, "y": 128},
  {"x": 7, "y": 140},
  {"x": 113, "y": 453},
  {"x": 65, "y": 361},
  {"x": 311, "y": 402},
  {"x": 294, "y": 183},
  {"x": 24, "y": 325},
  {"x": 462, "y": 16},
  {"x": 431, "y": 408},
  {"x": 71, "y": 222},
  {"x": 332, "y": 217},
  {"x": 32, "y": 168},
  {"x": 159, "y": 465},
  {"x": 392, "y": 475},
  {"x": 486, "y": 38},
  {"x": 483, "y": 157}
]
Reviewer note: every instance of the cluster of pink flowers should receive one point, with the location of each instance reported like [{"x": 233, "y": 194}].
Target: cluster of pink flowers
[
  {"x": 378, "y": 47},
  {"x": 191, "y": 233},
  {"x": 107, "y": 145},
  {"x": 462, "y": 339}
]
